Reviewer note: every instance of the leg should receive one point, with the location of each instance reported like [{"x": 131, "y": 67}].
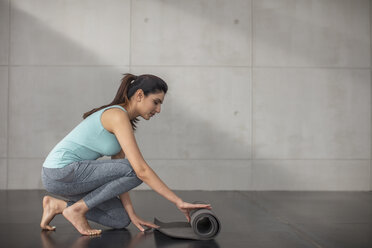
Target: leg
[
  {"x": 83, "y": 177},
  {"x": 103, "y": 179},
  {"x": 110, "y": 213},
  {"x": 51, "y": 207},
  {"x": 95, "y": 205},
  {"x": 76, "y": 215}
]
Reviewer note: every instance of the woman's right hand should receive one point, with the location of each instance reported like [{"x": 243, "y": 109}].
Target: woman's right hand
[
  {"x": 186, "y": 207},
  {"x": 139, "y": 223}
]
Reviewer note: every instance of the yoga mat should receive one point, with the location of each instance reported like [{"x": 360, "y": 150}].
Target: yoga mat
[{"x": 204, "y": 225}]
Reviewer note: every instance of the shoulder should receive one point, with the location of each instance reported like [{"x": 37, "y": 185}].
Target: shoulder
[{"x": 112, "y": 117}]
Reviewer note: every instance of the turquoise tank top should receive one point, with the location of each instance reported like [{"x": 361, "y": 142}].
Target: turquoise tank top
[{"x": 87, "y": 141}]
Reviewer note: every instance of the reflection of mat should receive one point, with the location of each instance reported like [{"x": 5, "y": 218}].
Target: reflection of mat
[
  {"x": 203, "y": 225},
  {"x": 164, "y": 241}
]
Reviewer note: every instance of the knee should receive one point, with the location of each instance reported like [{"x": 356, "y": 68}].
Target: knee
[
  {"x": 136, "y": 181},
  {"x": 123, "y": 223},
  {"x": 128, "y": 182},
  {"x": 139, "y": 181},
  {"x": 135, "y": 178}
]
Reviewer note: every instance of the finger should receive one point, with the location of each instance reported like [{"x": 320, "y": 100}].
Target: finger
[
  {"x": 187, "y": 216},
  {"x": 204, "y": 205},
  {"x": 140, "y": 227},
  {"x": 149, "y": 224},
  {"x": 201, "y": 206},
  {"x": 197, "y": 204}
]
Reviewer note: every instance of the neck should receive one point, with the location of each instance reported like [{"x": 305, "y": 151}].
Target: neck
[{"x": 130, "y": 108}]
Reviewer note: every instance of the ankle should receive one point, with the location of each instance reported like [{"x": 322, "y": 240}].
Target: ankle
[
  {"x": 62, "y": 206},
  {"x": 79, "y": 207}
]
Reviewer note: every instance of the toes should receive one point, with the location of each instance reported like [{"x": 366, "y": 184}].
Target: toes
[
  {"x": 49, "y": 228},
  {"x": 96, "y": 232},
  {"x": 92, "y": 232},
  {"x": 86, "y": 233}
]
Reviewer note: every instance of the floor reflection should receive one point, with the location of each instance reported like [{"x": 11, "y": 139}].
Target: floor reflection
[
  {"x": 108, "y": 238},
  {"x": 123, "y": 238},
  {"x": 161, "y": 240}
]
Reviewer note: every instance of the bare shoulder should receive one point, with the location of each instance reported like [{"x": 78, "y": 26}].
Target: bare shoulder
[{"x": 112, "y": 116}]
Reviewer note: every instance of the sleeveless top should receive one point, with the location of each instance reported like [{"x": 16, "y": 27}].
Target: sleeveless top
[{"x": 87, "y": 141}]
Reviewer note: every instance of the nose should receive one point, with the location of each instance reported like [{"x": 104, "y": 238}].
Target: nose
[{"x": 158, "y": 108}]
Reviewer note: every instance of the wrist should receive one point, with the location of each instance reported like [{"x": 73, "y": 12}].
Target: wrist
[
  {"x": 178, "y": 202},
  {"x": 131, "y": 214}
]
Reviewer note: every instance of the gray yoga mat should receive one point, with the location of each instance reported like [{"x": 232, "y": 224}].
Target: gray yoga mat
[{"x": 204, "y": 225}]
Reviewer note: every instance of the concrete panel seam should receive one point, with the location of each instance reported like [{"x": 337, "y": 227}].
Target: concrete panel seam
[
  {"x": 130, "y": 33},
  {"x": 226, "y": 159},
  {"x": 8, "y": 96},
  {"x": 370, "y": 175},
  {"x": 310, "y": 159},
  {"x": 198, "y": 66},
  {"x": 252, "y": 95},
  {"x": 67, "y": 66},
  {"x": 370, "y": 34},
  {"x": 313, "y": 67},
  {"x": 370, "y": 105}
]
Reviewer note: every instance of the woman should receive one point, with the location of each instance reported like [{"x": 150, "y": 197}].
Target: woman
[{"x": 98, "y": 190}]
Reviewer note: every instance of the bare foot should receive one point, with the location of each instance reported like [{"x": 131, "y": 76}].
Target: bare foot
[
  {"x": 51, "y": 207},
  {"x": 76, "y": 215}
]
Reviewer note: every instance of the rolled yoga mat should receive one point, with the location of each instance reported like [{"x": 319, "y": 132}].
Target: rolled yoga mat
[{"x": 204, "y": 225}]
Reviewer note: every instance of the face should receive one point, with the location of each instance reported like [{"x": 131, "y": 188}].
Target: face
[{"x": 151, "y": 105}]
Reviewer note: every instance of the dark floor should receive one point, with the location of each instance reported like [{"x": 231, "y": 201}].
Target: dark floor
[{"x": 248, "y": 218}]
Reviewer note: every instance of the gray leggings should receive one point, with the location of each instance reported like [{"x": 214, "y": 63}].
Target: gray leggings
[{"x": 98, "y": 183}]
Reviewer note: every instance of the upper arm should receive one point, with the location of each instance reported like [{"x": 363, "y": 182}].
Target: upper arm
[
  {"x": 118, "y": 122},
  {"x": 119, "y": 155}
]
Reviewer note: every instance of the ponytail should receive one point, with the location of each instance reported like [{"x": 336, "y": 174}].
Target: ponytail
[{"x": 129, "y": 85}]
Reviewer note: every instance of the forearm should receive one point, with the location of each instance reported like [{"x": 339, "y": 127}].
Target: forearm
[
  {"x": 152, "y": 180},
  {"x": 127, "y": 203}
]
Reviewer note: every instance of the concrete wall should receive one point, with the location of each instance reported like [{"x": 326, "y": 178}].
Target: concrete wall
[{"x": 264, "y": 94}]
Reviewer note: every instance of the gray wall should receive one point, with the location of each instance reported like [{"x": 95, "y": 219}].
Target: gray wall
[{"x": 264, "y": 95}]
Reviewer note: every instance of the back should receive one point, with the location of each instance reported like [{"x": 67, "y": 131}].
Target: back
[{"x": 87, "y": 141}]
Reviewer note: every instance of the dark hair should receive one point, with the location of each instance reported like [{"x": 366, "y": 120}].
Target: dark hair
[{"x": 129, "y": 85}]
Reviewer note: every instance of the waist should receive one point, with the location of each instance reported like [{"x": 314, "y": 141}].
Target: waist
[{"x": 61, "y": 157}]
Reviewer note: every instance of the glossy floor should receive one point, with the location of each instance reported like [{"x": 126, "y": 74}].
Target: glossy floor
[{"x": 249, "y": 219}]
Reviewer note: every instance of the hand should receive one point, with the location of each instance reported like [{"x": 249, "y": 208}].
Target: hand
[
  {"x": 139, "y": 223},
  {"x": 186, "y": 207}
]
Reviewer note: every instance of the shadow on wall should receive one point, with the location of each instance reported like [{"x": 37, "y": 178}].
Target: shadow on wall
[
  {"x": 296, "y": 34},
  {"x": 316, "y": 37},
  {"x": 57, "y": 96}
]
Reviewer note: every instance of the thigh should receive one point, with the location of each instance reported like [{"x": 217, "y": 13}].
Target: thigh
[
  {"x": 92, "y": 170},
  {"x": 84, "y": 176}
]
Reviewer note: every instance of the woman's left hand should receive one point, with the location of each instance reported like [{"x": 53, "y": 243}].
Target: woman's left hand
[
  {"x": 139, "y": 223},
  {"x": 186, "y": 207}
]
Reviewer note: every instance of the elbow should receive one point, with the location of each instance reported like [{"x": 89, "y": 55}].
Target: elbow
[
  {"x": 141, "y": 170},
  {"x": 142, "y": 174}
]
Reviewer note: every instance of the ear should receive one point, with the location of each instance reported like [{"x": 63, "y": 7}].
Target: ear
[{"x": 140, "y": 95}]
